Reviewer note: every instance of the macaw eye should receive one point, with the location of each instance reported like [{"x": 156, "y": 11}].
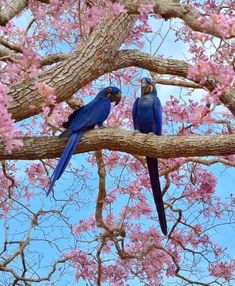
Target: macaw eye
[
  {"x": 143, "y": 80},
  {"x": 110, "y": 90}
]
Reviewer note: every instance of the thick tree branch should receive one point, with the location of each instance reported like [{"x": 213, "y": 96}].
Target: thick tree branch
[
  {"x": 126, "y": 58},
  {"x": 89, "y": 62},
  {"x": 14, "y": 8},
  {"x": 120, "y": 140},
  {"x": 93, "y": 59},
  {"x": 81, "y": 68},
  {"x": 173, "y": 9},
  {"x": 11, "y": 10}
]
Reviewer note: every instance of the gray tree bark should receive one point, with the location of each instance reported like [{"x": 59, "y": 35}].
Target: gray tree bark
[{"x": 116, "y": 139}]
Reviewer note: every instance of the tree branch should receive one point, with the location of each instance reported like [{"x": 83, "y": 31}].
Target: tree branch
[
  {"x": 10, "y": 46},
  {"x": 4, "y": 54},
  {"x": 14, "y": 8},
  {"x": 175, "y": 82},
  {"x": 54, "y": 58},
  {"x": 11, "y": 10},
  {"x": 127, "y": 58},
  {"x": 125, "y": 141},
  {"x": 89, "y": 62},
  {"x": 173, "y": 9},
  {"x": 159, "y": 65},
  {"x": 102, "y": 190},
  {"x": 94, "y": 58}
]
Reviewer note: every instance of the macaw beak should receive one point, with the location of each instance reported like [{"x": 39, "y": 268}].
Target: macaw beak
[
  {"x": 115, "y": 97},
  {"x": 146, "y": 88}
]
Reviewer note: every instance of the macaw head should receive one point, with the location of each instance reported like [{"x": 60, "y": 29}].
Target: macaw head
[
  {"x": 113, "y": 93},
  {"x": 147, "y": 86}
]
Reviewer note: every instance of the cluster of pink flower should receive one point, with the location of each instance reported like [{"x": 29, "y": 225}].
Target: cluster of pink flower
[
  {"x": 223, "y": 270},
  {"x": 224, "y": 24},
  {"x": 208, "y": 70},
  {"x": 203, "y": 187},
  {"x": 8, "y": 131},
  {"x": 37, "y": 173}
]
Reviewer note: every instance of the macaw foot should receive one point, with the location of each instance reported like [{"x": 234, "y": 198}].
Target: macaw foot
[{"x": 149, "y": 135}]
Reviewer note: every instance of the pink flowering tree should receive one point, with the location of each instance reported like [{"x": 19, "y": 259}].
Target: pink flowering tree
[{"x": 100, "y": 226}]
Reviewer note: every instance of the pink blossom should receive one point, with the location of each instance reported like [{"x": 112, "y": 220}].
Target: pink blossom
[
  {"x": 137, "y": 34},
  {"x": 145, "y": 9},
  {"x": 30, "y": 63},
  {"x": 179, "y": 238},
  {"x": 201, "y": 37},
  {"x": 204, "y": 186},
  {"x": 205, "y": 70},
  {"x": 224, "y": 24},
  {"x": 223, "y": 269},
  {"x": 83, "y": 264},
  {"x": 29, "y": 195},
  {"x": 115, "y": 8},
  {"x": 36, "y": 173},
  {"x": 195, "y": 237},
  {"x": 200, "y": 114},
  {"x": 8, "y": 131},
  {"x": 171, "y": 270},
  {"x": 47, "y": 92},
  {"x": 84, "y": 225}
]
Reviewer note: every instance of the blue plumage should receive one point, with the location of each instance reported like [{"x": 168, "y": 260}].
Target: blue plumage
[
  {"x": 92, "y": 114},
  {"x": 147, "y": 117}
]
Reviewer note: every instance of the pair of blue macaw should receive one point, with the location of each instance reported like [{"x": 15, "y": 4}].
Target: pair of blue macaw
[{"x": 147, "y": 117}]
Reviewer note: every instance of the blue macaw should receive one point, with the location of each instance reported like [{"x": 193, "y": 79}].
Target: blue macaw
[
  {"x": 147, "y": 118},
  {"x": 86, "y": 118}
]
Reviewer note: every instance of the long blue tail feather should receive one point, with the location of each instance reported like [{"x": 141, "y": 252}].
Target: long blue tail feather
[
  {"x": 152, "y": 164},
  {"x": 64, "y": 159}
]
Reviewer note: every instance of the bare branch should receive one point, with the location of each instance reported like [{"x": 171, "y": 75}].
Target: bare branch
[
  {"x": 36, "y": 280},
  {"x": 120, "y": 140},
  {"x": 209, "y": 162},
  {"x": 4, "y": 54},
  {"x": 22, "y": 246}
]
